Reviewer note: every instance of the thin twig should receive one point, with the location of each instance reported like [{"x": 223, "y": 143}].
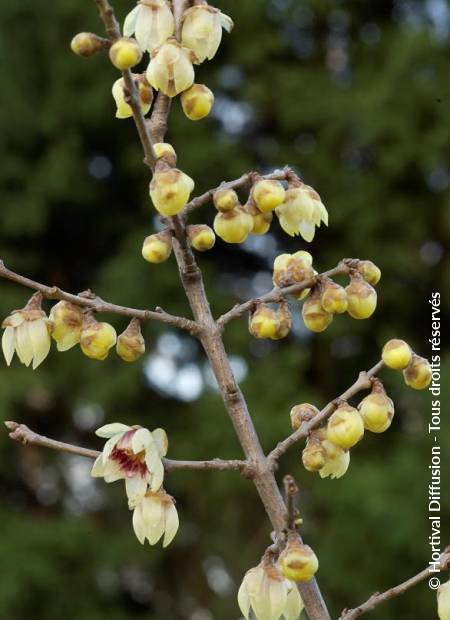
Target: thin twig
[
  {"x": 277, "y": 294},
  {"x": 24, "y": 435},
  {"x": 291, "y": 495},
  {"x": 98, "y": 304},
  {"x": 377, "y": 598},
  {"x": 362, "y": 383}
]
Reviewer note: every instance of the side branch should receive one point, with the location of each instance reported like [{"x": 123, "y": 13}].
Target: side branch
[
  {"x": 362, "y": 383},
  {"x": 245, "y": 179},
  {"x": 98, "y": 305},
  {"x": 378, "y": 598},
  {"x": 277, "y": 294},
  {"x": 24, "y": 435}
]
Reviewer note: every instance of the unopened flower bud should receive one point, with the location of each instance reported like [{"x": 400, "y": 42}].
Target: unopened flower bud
[
  {"x": 377, "y": 410},
  {"x": 396, "y": 354},
  {"x": 315, "y": 317},
  {"x": 97, "y": 338},
  {"x": 345, "y": 427},
  {"x": 157, "y": 248},
  {"x": 268, "y": 195},
  {"x": 284, "y": 317},
  {"x": 170, "y": 190},
  {"x": 418, "y": 373},
  {"x": 131, "y": 344},
  {"x": 263, "y": 322},
  {"x": 125, "y": 53},
  {"x": 67, "y": 320},
  {"x": 87, "y": 44},
  {"x": 313, "y": 455},
  {"x": 170, "y": 69},
  {"x": 124, "y": 109},
  {"x": 362, "y": 298},
  {"x": 302, "y": 413},
  {"x": 225, "y": 200},
  {"x": 369, "y": 271},
  {"x": 201, "y": 237},
  {"x": 166, "y": 152},
  {"x": 233, "y": 226},
  {"x": 297, "y": 561},
  {"x": 261, "y": 221},
  {"x": 292, "y": 268},
  {"x": 197, "y": 102},
  {"x": 333, "y": 297}
]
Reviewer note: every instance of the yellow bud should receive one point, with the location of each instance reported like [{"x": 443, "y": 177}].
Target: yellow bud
[
  {"x": 268, "y": 195},
  {"x": 201, "y": 237},
  {"x": 67, "y": 320},
  {"x": 313, "y": 455},
  {"x": 345, "y": 427},
  {"x": 333, "y": 297},
  {"x": 87, "y": 44},
  {"x": 369, "y": 271},
  {"x": 377, "y": 410},
  {"x": 197, "y": 101},
  {"x": 157, "y": 248},
  {"x": 263, "y": 322},
  {"x": 124, "y": 109},
  {"x": 97, "y": 338},
  {"x": 315, "y": 317},
  {"x": 225, "y": 200},
  {"x": 337, "y": 461},
  {"x": 233, "y": 226},
  {"x": 396, "y": 354},
  {"x": 130, "y": 344},
  {"x": 125, "y": 53},
  {"x": 261, "y": 221},
  {"x": 166, "y": 152},
  {"x": 298, "y": 562},
  {"x": 292, "y": 269},
  {"x": 284, "y": 318},
  {"x": 170, "y": 190},
  {"x": 302, "y": 413},
  {"x": 362, "y": 298},
  {"x": 418, "y": 373}
]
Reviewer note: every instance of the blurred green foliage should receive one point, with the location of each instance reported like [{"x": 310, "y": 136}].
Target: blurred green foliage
[{"x": 356, "y": 97}]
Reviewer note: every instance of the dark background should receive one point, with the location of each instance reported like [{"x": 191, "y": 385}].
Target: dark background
[{"x": 355, "y": 95}]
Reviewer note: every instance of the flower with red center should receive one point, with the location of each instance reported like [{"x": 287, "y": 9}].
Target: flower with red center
[{"x": 133, "y": 454}]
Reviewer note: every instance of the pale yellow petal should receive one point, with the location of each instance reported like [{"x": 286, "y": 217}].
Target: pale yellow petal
[
  {"x": 8, "y": 344},
  {"x": 40, "y": 341},
  {"x": 161, "y": 440},
  {"x": 109, "y": 430},
  {"x": 135, "y": 487},
  {"x": 171, "y": 524},
  {"x": 130, "y": 22},
  {"x": 142, "y": 439},
  {"x": 294, "y": 604},
  {"x": 138, "y": 524},
  {"x": 98, "y": 468},
  {"x": 23, "y": 344},
  {"x": 244, "y": 600}
]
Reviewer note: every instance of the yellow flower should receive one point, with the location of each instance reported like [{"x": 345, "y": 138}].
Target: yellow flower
[
  {"x": 157, "y": 248},
  {"x": 145, "y": 97},
  {"x": 333, "y": 297},
  {"x": 27, "y": 332},
  {"x": 345, "y": 427},
  {"x": 369, "y": 271},
  {"x": 225, "y": 199},
  {"x": 202, "y": 30},
  {"x": 170, "y": 190},
  {"x": 443, "y": 601},
  {"x": 201, "y": 237},
  {"x": 67, "y": 320},
  {"x": 154, "y": 516},
  {"x": 315, "y": 318},
  {"x": 301, "y": 211},
  {"x": 233, "y": 226},
  {"x": 337, "y": 461},
  {"x": 170, "y": 69},
  {"x": 297, "y": 561},
  {"x": 165, "y": 151},
  {"x": 362, "y": 298},
  {"x": 97, "y": 338},
  {"x": 396, "y": 354},
  {"x": 152, "y": 23},
  {"x": 268, "y": 195},
  {"x": 269, "y": 594},
  {"x": 130, "y": 344},
  {"x": 197, "y": 102},
  {"x": 377, "y": 410},
  {"x": 133, "y": 454},
  {"x": 292, "y": 269},
  {"x": 418, "y": 373},
  {"x": 125, "y": 53}
]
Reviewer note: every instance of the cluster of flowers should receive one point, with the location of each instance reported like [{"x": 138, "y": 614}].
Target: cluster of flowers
[
  {"x": 270, "y": 589},
  {"x": 327, "y": 448},
  {"x": 28, "y": 332},
  {"x": 325, "y": 299},
  {"x": 134, "y": 454}
]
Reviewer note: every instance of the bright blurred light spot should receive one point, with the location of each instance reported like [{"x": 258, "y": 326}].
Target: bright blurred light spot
[
  {"x": 189, "y": 383},
  {"x": 84, "y": 494},
  {"x": 234, "y": 116},
  {"x": 238, "y": 365},
  {"x": 217, "y": 576},
  {"x": 431, "y": 252},
  {"x": 88, "y": 416},
  {"x": 261, "y": 245},
  {"x": 100, "y": 167},
  {"x": 230, "y": 77}
]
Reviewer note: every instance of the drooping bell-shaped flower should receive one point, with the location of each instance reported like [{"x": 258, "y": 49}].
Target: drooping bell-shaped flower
[
  {"x": 124, "y": 109},
  {"x": 27, "y": 333},
  {"x": 155, "y": 516},
  {"x": 302, "y": 211},
  {"x": 337, "y": 461},
  {"x": 268, "y": 594},
  {"x": 133, "y": 454},
  {"x": 170, "y": 69},
  {"x": 202, "y": 30},
  {"x": 151, "y": 22},
  {"x": 67, "y": 319}
]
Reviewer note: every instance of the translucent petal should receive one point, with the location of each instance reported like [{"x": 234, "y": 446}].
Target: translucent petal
[
  {"x": 8, "y": 344},
  {"x": 226, "y": 22},
  {"x": 23, "y": 344},
  {"x": 294, "y": 604},
  {"x": 110, "y": 445},
  {"x": 157, "y": 476},
  {"x": 171, "y": 525},
  {"x": 244, "y": 600},
  {"x": 40, "y": 341},
  {"x": 307, "y": 230},
  {"x": 143, "y": 27},
  {"x": 260, "y": 601},
  {"x": 161, "y": 440},
  {"x": 155, "y": 532},
  {"x": 130, "y": 22},
  {"x": 141, "y": 440},
  {"x": 278, "y": 598},
  {"x": 136, "y": 488},
  {"x": 109, "y": 430},
  {"x": 13, "y": 320},
  {"x": 152, "y": 510},
  {"x": 138, "y": 524},
  {"x": 98, "y": 468},
  {"x": 113, "y": 472}
]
